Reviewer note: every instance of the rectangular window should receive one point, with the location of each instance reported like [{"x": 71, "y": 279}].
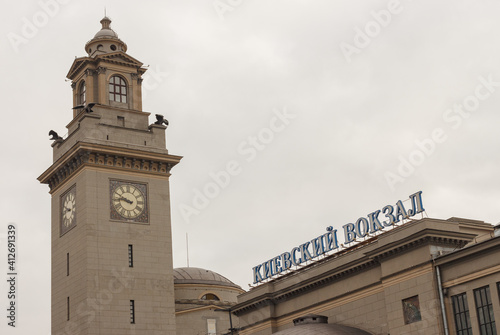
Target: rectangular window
[
  {"x": 130, "y": 256},
  {"x": 411, "y": 310},
  {"x": 498, "y": 290},
  {"x": 67, "y": 307},
  {"x": 67, "y": 264},
  {"x": 484, "y": 310},
  {"x": 461, "y": 314},
  {"x": 121, "y": 121},
  {"x": 132, "y": 311}
]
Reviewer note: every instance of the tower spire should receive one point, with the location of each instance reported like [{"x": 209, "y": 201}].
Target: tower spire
[{"x": 106, "y": 22}]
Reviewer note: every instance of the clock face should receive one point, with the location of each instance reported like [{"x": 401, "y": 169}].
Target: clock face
[
  {"x": 128, "y": 201},
  {"x": 68, "y": 210}
]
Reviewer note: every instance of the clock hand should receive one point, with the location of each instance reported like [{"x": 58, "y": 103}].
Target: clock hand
[{"x": 126, "y": 200}]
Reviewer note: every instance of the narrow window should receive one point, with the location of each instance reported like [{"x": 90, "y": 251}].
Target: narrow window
[
  {"x": 484, "y": 310},
  {"x": 461, "y": 314},
  {"x": 411, "y": 310},
  {"x": 117, "y": 89},
  {"x": 67, "y": 307},
  {"x": 132, "y": 311},
  {"x": 67, "y": 264},
  {"x": 82, "y": 93},
  {"x": 130, "y": 256}
]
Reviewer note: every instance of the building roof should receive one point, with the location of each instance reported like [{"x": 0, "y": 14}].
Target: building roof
[
  {"x": 192, "y": 275},
  {"x": 106, "y": 34},
  {"x": 321, "y": 329},
  {"x": 313, "y": 324},
  {"x": 106, "y": 30}
]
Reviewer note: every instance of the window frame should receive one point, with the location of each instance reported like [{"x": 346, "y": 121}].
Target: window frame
[
  {"x": 118, "y": 91},
  {"x": 485, "y": 321},
  {"x": 130, "y": 256},
  {"x": 132, "y": 311},
  {"x": 82, "y": 93},
  {"x": 461, "y": 314},
  {"x": 204, "y": 296}
]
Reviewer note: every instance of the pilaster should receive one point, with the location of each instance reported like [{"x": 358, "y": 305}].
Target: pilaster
[{"x": 102, "y": 88}]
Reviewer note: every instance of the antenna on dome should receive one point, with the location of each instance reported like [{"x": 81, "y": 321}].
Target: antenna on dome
[{"x": 187, "y": 249}]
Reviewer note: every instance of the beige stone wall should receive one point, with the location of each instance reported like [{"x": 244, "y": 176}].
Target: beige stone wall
[
  {"x": 102, "y": 127},
  {"x": 195, "y": 322},
  {"x": 376, "y": 307},
  {"x": 101, "y": 284},
  {"x": 74, "y": 286},
  {"x": 421, "y": 283},
  {"x": 468, "y": 270},
  {"x": 192, "y": 313},
  {"x": 366, "y": 286},
  {"x": 196, "y": 291}
]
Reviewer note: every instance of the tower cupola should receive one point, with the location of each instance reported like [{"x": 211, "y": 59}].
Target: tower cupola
[
  {"x": 105, "y": 41},
  {"x": 107, "y": 75}
]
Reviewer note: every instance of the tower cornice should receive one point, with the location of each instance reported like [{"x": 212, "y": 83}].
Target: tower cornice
[
  {"x": 117, "y": 58},
  {"x": 83, "y": 155},
  {"x": 78, "y": 65}
]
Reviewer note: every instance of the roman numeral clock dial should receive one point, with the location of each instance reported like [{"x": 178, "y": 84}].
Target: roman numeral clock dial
[
  {"x": 68, "y": 210},
  {"x": 128, "y": 201}
]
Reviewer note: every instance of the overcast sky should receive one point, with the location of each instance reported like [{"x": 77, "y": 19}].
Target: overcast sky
[{"x": 322, "y": 111}]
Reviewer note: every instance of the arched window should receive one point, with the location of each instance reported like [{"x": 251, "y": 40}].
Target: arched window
[
  {"x": 82, "y": 96},
  {"x": 210, "y": 296},
  {"x": 117, "y": 89}
]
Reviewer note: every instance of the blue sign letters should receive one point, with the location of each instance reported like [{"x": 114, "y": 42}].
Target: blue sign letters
[{"x": 327, "y": 242}]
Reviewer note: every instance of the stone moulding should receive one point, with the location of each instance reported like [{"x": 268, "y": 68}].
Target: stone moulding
[
  {"x": 367, "y": 261},
  {"x": 91, "y": 155}
]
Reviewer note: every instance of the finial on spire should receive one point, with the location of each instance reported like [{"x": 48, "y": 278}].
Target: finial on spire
[{"x": 106, "y": 22}]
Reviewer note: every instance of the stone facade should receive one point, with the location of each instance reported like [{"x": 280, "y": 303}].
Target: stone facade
[
  {"x": 387, "y": 284},
  {"x": 203, "y": 300}
]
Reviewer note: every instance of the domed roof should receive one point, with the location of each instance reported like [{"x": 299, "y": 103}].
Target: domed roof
[
  {"x": 201, "y": 276},
  {"x": 106, "y": 33},
  {"x": 103, "y": 35},
  {"x": 106, "y": 30},
  {"x": 321, "y": 329},
  {"x": 312, "y": 324}
]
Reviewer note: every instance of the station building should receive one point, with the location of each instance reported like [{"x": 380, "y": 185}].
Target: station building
[{"x": 426, "y": 276}]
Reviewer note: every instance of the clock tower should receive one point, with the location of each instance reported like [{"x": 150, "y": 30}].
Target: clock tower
[{"x": 112, "y": 267}]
